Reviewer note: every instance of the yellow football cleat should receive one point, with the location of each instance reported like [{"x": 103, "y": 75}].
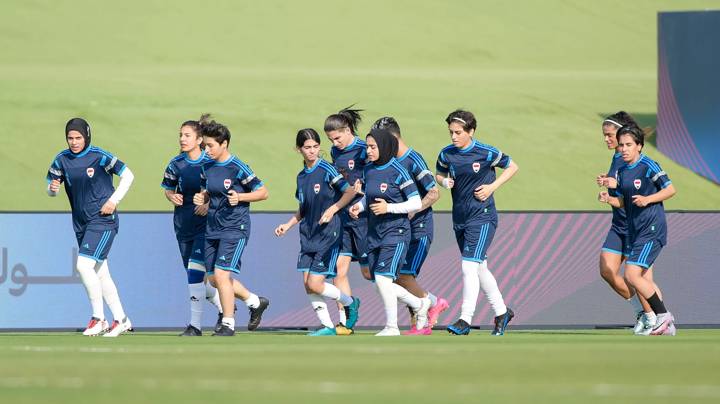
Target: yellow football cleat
[{"x": 340, "y": 329}]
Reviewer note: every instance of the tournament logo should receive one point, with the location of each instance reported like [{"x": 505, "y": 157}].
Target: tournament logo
[
  {"x": 637, "y": 183},
  {"x": 476, "y": 166},
  {"x": 383, "y": 187},
  {"x": 351, "y": 164},
  {"x": 90, "y": 172},
  {"x": 227, "y": 183},
  {"x": 316, "y": 188}
]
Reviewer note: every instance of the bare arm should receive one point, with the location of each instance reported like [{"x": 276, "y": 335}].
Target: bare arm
[{"x": 257, "y": 195}]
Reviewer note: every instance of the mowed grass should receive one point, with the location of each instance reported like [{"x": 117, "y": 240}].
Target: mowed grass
[
  {"x": 539, "y": 76},
  {"x": 524, "y": 366}
]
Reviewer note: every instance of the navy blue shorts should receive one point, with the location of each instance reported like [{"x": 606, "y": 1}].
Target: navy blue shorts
[
  {"x": 644, "y": 253},
  {"x": 354, "y": 243},
  {"x": 193, "y": 251},
  {"x": 386, "y": 260},
  {"x": 224, "y": 254},
  {"x": 95, "y": 244},
  {"x": 474, "y": 241},
  {"x": 415, "y": 257},
  {"x": 616, "y": 243},
  {"x": 320, "y": 262}
]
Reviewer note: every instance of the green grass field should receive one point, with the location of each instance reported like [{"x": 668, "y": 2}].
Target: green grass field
[
  {"x": 539, "y": 76},
  {"x": 522, "y": 367}
]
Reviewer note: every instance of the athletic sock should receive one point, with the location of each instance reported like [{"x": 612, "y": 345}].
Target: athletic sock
[
  {"x": 489, "y": 286},
  {"x": 229, "y": 322},
  {"x": 321, "y": 310},
  {"x": 657, "y": 305},
  {"x": 406, "y": 297},
  {"x": 387, "y": 294},
  {"x": 212, "y": 296},
  {"x": 433, "y": 299},
  {"x": 635, "y": 303},
  {"x": 253, "y": 301},
  {"x": 109, "y": 291},
  {"x": 196, "y": 304},
  {"x": 471, "y": 290},
  {"x": 342, "y": 316},
  {"x": 86, "y": 269},
  {"x": 332, "y": 292}
]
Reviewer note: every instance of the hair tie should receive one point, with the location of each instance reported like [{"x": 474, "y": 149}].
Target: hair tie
[
  {"x": 613, "y": 122},
  {"x": 459, "y": 119}
]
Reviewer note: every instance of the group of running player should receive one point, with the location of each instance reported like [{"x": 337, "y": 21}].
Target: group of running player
[{"x": 372, "y": 204}]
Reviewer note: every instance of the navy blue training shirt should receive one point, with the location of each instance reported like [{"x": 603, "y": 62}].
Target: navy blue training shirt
[
  {"x": 414, "y": 163},
  {"x": 182, "y": 175}
]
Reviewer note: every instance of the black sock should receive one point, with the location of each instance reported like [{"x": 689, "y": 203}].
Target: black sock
[{"x": 656, "y": 304}]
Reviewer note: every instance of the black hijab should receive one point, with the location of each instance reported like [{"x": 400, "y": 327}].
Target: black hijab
[
  {"x": 81, "y": 126},
  {"x": 387, "y": 145}
]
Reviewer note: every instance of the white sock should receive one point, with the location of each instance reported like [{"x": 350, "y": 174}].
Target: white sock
[
  {"x": 86, "y": 269},
  {"x": 489, "y": 286},
  {"x": 471, "y": 290},
  {"x": 387, "y": 293},
  {"x": 651, "y": 317},
  {"x": 332, "y": 292},
  {"x": 109, "y": 291},
  {"x": 433, "y": 299},
  {"x": 229, "y": 321},
  {"x": 197, "y": 290},
  {"x": 212, "y": 296},
  {"x": 406, "y": 297},
  {"x": 253, "y": 301},
  {"x": 635, "y": 303},
  {"x": 342, "y": 317},
  {"x": 321, "y": 310}
]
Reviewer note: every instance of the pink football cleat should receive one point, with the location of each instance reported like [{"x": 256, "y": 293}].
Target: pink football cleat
[
  {"x": 435, "y": 311},
  {"x": 415, "y": 331}
]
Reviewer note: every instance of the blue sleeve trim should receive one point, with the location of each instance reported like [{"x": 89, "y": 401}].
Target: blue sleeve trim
[
  {"x": 258, "y": 186},
  {"x": 665, "y": 184},
  {"x": 413, "y": 194},
  {"x": 122, "y": 170},
  {"x": 169, "y": 188},
  {"x": 344, "y": 187},
  {"x": 431, "y": 186}
]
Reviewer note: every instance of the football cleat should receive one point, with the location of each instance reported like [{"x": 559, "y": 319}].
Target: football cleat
[
  {"x": 639, "y": 323},
  {"x": 435, "y": 311},
  {"x": 352, "y": 312},
  {"x": 501, "y": 323},
  {"x": 119, "y": 327},
  {"x": 460, "y": 327},
  {"x": 224, "y": 331},
  {"x": 415, "y": 331},
  {"x": 664, "y": 321},
  {"x": 323, "y": 332},
  {"x": 389, "y": 332},
  {"x": 95, "y": 327},
  {"x": 340, "y": 329},
  {"x": 191, "y": 331},
  {"x": 256, "y": 314}
]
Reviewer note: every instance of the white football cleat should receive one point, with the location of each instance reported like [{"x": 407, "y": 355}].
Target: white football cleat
[
  {"x": 644, "y": 326},
  {"x": 421, "y": 317},
  {"x": 95, "y": 327},
  {"x": 389, "y": 332},
  {"x": 639, "y": 323},
  {"x": 119, "y": 327}
]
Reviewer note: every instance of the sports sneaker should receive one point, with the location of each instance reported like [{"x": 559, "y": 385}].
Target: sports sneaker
[
  {"x": 340, "y": 329},
  {"x": 256, "y": 314},
  {"x": 191, "y": 331},
  {"x": 646, "y": 327},
  {"x": 639, "y": 322},
  {"x": 389, "y": 332},
  {"x": 323, "y": 332},
  {"x": 435, "y": 311},
  {"x": 664, "y": 321},
  {"x": 422, "y": 313},
  {"x": 119, "y": 327},
  {"x": 460, "y": 327},
  {"x": 224, "y": 331},
  {"x": 352, "y": 312},
  {"x": 501, "y": 322},
  {"x": 95, "y": 327},
  {"x": 415, "y": 331},
  {"x": 671, "y": 330}
]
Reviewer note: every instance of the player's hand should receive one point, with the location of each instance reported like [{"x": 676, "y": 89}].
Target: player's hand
[
  {"x": 328, "y": 214},
  {"x": 202, "y": 210},
  {"x": 641, "y": 201},
  {"x": 354, "y": 211},
  {"x": 233, "y": 197},
  {"x": 411, "y": 215},
  {"x": 176, "y": 199},
  {"x": 604, "y": 197},
  {"x": 599, "y": 179},
  {"x": 108, "y": 208},
  {"x": 448, "y": 183},
  {"x": 358, "y": 186},
  {"x": 54, "y": 186},
  {"x": 379, "y": 207},
  {"x": 483, "y": 192},
  {"x": 282, "y": 229},
  {"x": 199, "y": 198}
]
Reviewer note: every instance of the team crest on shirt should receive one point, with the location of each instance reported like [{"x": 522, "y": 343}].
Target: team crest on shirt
[
  {"x": 227, "y": 183},
  {"x": 476, "y": 166},
  {"x": 637, "y": 183},
  {"x": 316, "y": 188},
  {"x": 90, "y": 172},
  {"x": 351, "y": 164},
  {"x": 383, "y": 187}
]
